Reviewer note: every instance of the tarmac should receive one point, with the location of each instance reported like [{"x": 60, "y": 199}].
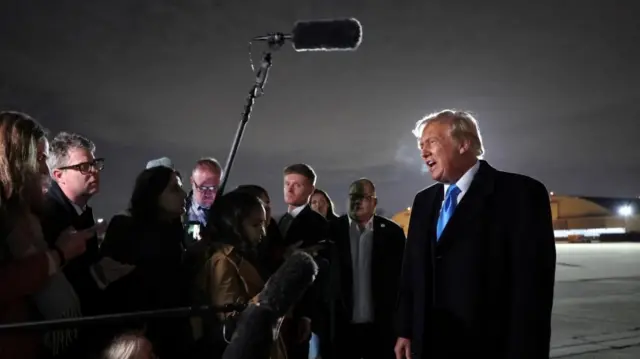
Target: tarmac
[{"x": 597, "y": 301}]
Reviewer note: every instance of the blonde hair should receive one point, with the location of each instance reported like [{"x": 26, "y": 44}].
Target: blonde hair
[
  {"x": 462, "y": 126},
  {"x": 19, "y": 175}
]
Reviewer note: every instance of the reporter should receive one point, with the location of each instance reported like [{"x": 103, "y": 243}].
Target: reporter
[{"x": 230, "y": 275}]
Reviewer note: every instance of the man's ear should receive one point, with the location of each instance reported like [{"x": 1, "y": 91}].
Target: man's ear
[
  {"x": 464, "y": 146},
  {"x": 56, "y": 174},
  {"x": 313, "y": 189}
]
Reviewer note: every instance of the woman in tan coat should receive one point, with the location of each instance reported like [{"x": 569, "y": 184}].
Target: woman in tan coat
[{"x": 230, "y": 274}]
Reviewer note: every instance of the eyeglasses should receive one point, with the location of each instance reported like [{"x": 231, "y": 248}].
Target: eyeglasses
[
  {"x": 86, "y": 167},
  {"x": 208, "y": 189}
]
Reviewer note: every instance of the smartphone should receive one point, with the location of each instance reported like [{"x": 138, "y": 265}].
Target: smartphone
[
  {"x": 100, "y": 230},
  {"x": 193, "y": 230}
]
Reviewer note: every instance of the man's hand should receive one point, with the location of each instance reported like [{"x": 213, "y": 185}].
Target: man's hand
[
  {"x": 73, "y": 243},
  {"x": 100, "y": 228},
  {"x": 312, "y": 250},
  {"x": 292, "y": 249},
  {"x": 304, "y": 329},
  {"x": 403, "y": 348}
]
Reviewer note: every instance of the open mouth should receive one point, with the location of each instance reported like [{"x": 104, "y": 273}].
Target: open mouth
[{"x": 430, "y": 164}]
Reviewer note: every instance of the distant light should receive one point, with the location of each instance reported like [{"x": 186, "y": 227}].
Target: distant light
[
  {"x": 408, "y": 208},
  {"x": 625, "y": 211},
  {"x": 587, "y": 232},
  {"x": 551, "y": 193}
]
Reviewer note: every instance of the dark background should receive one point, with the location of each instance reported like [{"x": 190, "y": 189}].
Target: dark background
[{"x": 554, "y": 85}]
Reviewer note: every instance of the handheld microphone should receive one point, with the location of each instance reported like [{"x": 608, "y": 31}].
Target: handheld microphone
[
  {"x": 254, "y": 334},
  {"x": 289, "y": 283},
  {"x": 321, "y": 35}
]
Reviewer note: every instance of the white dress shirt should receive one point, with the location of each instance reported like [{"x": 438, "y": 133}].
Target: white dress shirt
[
  {"x": 361, "y": 261},
  {"x": 464, "y": 182},
  {"x": 296, "y": 211}
]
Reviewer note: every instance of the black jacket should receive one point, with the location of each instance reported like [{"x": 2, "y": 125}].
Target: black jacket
[
  {"x": 485, "y": 288},
  {"x": 59, "y": 214}
]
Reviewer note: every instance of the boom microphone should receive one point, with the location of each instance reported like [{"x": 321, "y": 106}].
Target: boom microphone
[
  {"x": 321, "y": 35},
  {"x": 254, "y": 334}
]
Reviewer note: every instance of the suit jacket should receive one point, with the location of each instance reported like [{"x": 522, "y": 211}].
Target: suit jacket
[
  {"x": 486, "y": 287},
  {"x": 387, "y": 252},
  {"x": 59, "y": 214},
  {"x": 309, "y": 226},
  {"x": 271, "y": 250}
]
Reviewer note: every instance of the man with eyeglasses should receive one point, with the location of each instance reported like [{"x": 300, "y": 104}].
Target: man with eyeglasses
[
  {"x": 75, "y": 174},
  {"x": 205, "y": 180},
  {"x": 370, "y": 249}
]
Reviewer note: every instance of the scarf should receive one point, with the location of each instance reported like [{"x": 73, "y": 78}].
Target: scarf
[{"x": 57, "y": 298}]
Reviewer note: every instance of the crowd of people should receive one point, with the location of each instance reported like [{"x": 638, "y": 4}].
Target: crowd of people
[{"x": 488, "y": 283}]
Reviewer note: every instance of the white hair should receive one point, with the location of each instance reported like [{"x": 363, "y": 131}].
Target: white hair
[
  {"x": 462, "y": 126},
  {"x": 125, "y": 346}
]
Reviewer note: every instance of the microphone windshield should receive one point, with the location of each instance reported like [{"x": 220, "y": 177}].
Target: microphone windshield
[
  {"x": 253, "y": 336},
  {"x": 327, "y": 35},
  {"x": 288, "y": 284}
]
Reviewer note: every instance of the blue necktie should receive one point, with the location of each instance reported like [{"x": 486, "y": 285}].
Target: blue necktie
[{"x": 449, "y": 205}]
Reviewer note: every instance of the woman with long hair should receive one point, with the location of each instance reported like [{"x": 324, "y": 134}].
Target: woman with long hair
[
  {"x": 271, "y": 248},
  {"x": 236, "y": 225},
  {"x": 150, "y": 237},
  {"x": 30, "y": 275},
  {"x": 321, "y": 203}
]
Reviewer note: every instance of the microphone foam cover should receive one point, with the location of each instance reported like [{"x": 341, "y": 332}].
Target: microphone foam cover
[
  {"x": 327, "y": 35},
  {"x": 288, "y": 284},
  {"x": 253, "y": 336}
]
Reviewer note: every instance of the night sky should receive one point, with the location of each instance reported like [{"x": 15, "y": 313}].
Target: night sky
[{"x": 554, "y": 85}]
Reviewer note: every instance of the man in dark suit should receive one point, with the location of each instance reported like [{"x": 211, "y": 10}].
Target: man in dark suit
[
  {"x": 76, "y": 178},
  {"x": 370, "y": 252},
  {"x": 479, "y": 267},
  {"x": 205, "y": 179},
  {"x": 302, "y": 227}
]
